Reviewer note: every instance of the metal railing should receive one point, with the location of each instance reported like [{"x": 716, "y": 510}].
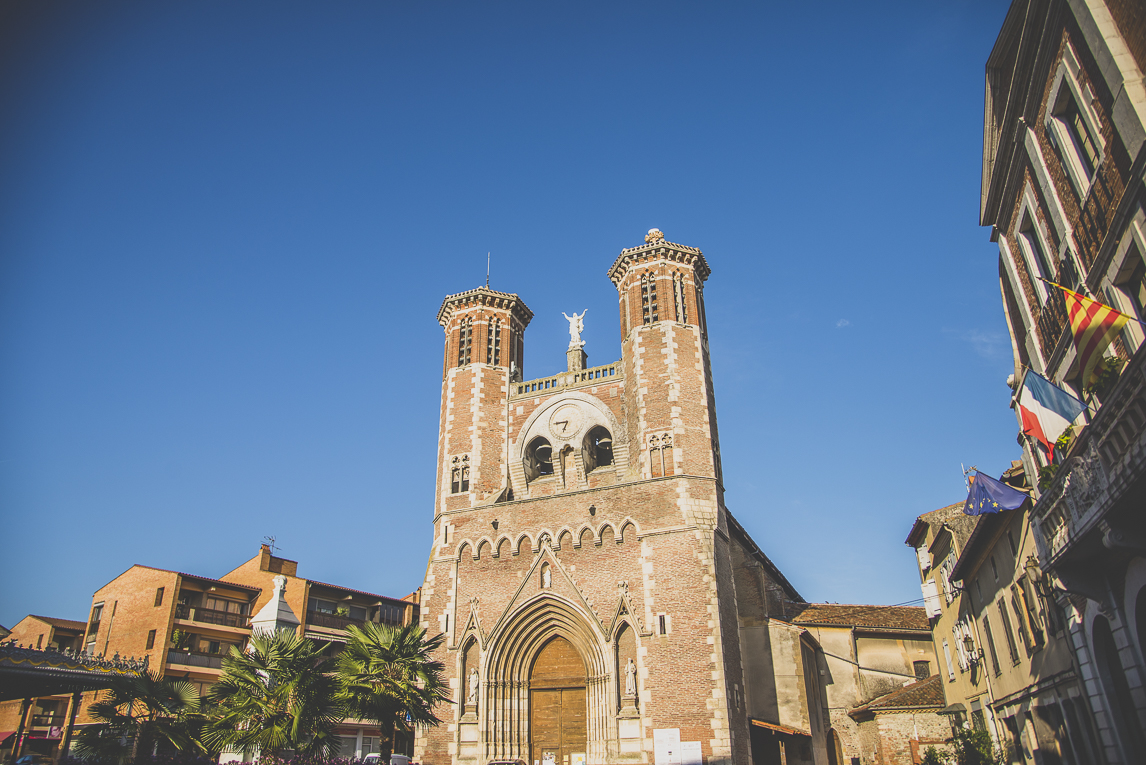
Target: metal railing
[
  {"x": 190, "y": 659},
  {"x": 210, "y": 616},
  {"x": 333, "y": 621},
  {"x": 1052, "y": 320}
]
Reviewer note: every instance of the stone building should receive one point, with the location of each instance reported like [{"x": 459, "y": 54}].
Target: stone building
[
  {"x": 881, "y": 678},
  {"x": 600, "y": 603},
  {"x": 1064, "y": 159}
]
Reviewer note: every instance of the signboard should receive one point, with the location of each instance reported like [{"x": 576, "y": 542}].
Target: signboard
[
  {"x": 666, "y": 746},
  {"x": 690, "y": 753}
]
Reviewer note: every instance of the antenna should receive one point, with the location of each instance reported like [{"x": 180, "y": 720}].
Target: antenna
[
  {"x": 270, "y": 542},
  {"x": 487, "y": 270}
]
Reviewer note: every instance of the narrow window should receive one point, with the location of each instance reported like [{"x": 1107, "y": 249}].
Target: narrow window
[
  {"x": 447, "y": 629},
  {"x": 653, "y": 298},
  {"x": 994, "y": 569},
  {"x": 1011, "y": 543},
  {"x": 678, "y": 298},
  {"x": 1008, "y": 633},
  {"x": 159, "y": 597},
  {"x": 455, "y": 480},
  {"x": 1031, "y": 241},
  {"x": 465, "y": 477},
  {"x": 150, "y": 639},
  {"x": 1083, "y": 143},
  {"x": 662, "y": 622},
  {"x": 39, "y": 641},
  {"x": 493, "y": 343},
  {"x": 465, "y": 340},
  {"x": 645, "y": 299},
  {"x": 1021, "y": 622},
  {"x": 991, "y": 645}
]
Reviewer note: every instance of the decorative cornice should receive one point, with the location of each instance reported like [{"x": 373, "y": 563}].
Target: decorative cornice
[
  {"x": 486, "y": 297},
  {"x": 659, "y": 249}
]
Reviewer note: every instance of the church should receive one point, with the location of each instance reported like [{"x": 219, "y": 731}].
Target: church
[{"x": 599, "y": 601}]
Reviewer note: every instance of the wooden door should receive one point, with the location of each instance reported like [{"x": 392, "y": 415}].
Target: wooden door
[{"x": 557, "y": 704}]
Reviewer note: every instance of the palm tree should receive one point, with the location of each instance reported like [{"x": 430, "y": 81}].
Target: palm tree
[
  {"x": 279, "y": 695},
  {"x": 387, "y": 674},
  {"x": 146, "y": 710}
]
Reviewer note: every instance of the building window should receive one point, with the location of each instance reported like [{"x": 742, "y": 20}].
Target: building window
[
  {"x": 1072, "y": 126},
  {"x": 649, "y": 312},
  {"x": 465, "y": 341},
  {"x": 39, "y": 641},
  {"x": 991, "y": 645},
  {"x": 1035, "y": 255},
  {"x": 493, "y": 343},
  {"x": 460, "y": 474},
  {"x": 678, "y": 298},
  {"x": 922, "y": 669},
  {"x": 150, "y": 639},
  {"x": 994, "y": 569},
  {"x": 1130, "y": 283},
  {"x": 1028, "y": 644},
  {"x": 227, "y": 606},
  {"x": 661, "y": 456},
  {"x": 664, "y": 624},
  {"x": 1008, "y": 633},
  {"x": 159, "y": 597}
]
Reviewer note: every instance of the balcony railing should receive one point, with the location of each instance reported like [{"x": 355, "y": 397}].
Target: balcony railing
[
  {"x": 47, "y": 721},
  {"x": 190, "y": 659},
  {"x": 333, "y": 621},
  {"x": 210, "y": 616},
  {"x": 1052, "y": 320}
]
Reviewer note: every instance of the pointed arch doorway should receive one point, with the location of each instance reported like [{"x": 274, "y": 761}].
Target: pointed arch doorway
[{"x": 558, "y": 705}]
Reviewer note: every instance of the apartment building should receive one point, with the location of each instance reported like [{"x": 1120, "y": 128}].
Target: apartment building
[{"x": 1064, "y": 195}]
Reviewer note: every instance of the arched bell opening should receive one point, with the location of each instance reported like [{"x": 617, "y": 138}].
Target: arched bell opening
[
  {"x": 597, "y": 448},
  {"x": 538, "y": 460}
]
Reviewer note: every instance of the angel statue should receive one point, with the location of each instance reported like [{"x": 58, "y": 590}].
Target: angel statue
[{"x": 576, "y": 325}]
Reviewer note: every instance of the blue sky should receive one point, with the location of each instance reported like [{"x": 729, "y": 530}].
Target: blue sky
[{"x": 226, "y": 229}]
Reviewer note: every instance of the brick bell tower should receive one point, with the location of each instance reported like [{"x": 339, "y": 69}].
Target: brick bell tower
[
  {"x": 672, "y": 407},
  {"x": 484, "y": 351},
  {"x": 582, "y": 563}
]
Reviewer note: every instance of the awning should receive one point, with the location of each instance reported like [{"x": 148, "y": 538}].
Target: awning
[
  {"x": 779, "y": 728},
  {"x": 953, "y": 709},
  {"x": 5, "y": 735}
]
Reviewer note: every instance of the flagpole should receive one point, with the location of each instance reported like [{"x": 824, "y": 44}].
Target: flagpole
[{"x": 1096, "y": 300}]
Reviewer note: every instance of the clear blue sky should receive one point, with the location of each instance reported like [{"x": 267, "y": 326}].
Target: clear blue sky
[{"x": 226, "y": 229}]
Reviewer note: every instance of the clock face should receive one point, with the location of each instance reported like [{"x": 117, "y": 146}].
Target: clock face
[{"x": 565, "y": 422}]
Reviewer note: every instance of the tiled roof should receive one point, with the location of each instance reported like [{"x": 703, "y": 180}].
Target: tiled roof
[
  {"x": 351, "y": 589},
  {"x": 888, "y": 617},
  {"x": 922, "y": 694},
  {"x": 67, "y": 624}
]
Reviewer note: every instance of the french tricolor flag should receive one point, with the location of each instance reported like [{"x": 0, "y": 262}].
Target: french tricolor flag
[{"x": 1046, "y": 410}]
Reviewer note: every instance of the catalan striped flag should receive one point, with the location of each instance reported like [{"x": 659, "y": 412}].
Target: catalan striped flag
[{"x": 1094, "y": 326}]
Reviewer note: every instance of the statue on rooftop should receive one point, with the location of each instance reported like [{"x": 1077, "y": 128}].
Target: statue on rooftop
[{"x": 576, "y": 326}]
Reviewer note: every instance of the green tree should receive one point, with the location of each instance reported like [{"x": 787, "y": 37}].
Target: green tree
[
  {"x": 387, "y": 674},
  {"x": 974, "y": 747},
  {"x": 279, "y": 695},
  {"x": 139, "y": 714}
]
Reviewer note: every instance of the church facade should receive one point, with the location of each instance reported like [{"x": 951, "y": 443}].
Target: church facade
[{"x": 600, "y": 604}]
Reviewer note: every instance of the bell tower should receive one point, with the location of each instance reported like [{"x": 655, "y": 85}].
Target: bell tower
[
  {"x": 670, "y": 401},
  {"x": 484, "y": 353}
]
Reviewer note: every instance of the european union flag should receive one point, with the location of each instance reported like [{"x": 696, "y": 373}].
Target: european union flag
[{"x": 990, "y": 496}]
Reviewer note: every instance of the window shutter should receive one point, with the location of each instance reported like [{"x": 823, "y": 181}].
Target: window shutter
[
  {"x": 931, "y": 598},
  {"x": 947, "y": 655},
  {"x": 924, "y": 558}
]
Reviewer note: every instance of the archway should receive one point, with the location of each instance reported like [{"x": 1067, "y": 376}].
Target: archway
[{"x": 558, "y": 704}]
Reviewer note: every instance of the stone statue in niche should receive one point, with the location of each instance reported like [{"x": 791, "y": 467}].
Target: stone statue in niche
[
  {"x": 576, "y": 327},
  {"x": 472, "y": 696},
  {"x": 630, "y": 679},
  {"x": 546, "y": 578}
]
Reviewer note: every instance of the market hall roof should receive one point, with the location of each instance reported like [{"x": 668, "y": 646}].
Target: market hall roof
[{"x": 30, "y": 673}]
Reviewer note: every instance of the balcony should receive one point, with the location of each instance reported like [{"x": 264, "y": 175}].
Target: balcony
[
  {"x": 331, "y": 621},
  {"x": 1105, "y": 460},
  {"x": 195, "y": 659},
  {"x": 209, "y": 616}
]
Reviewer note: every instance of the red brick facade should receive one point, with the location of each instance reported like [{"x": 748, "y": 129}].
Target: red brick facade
[{"x": 626, "y": 556}]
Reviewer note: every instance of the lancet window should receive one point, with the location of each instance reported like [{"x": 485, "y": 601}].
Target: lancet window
[
  {"x": 493, "y": 343},
  {"x": 465, "y": 341},
  {"x": 460, "y": 474},
  {"x": 660, "y": 455},
  {"x": 678, "y": 298},
  {"x": 649, "y": 299}
]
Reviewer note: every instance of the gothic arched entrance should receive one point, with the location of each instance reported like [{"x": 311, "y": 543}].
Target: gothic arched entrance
[{"x": 557, "y": 703}]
